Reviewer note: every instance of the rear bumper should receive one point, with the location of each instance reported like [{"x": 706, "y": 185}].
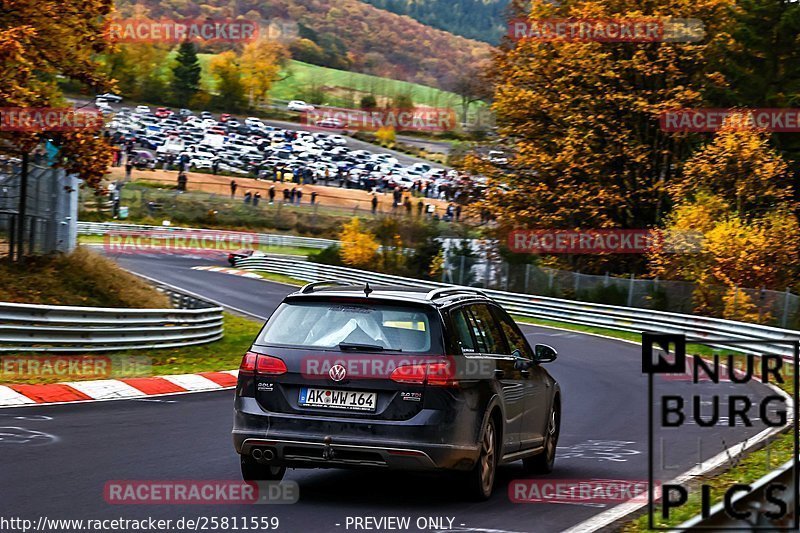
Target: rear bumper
[{"x": 423, "y": 443}]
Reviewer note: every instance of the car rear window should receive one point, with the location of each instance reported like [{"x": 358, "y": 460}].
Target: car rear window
[{"x": 325, "y": 325}]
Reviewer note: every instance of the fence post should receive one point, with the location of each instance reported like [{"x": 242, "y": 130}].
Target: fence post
[
  {"x": 461, "y": 271},
  {"x": 606, "y": 280},
  {"x": 488, "y": 272},
  {"x": 527, "y": 275},
  {"x": 551, "y": 278},
  {"x": 577, "y": 282},
  {"x": 630, "y": 290},
  {"x": 508, "y": 274},
  {"x": 785, "y": 318}
]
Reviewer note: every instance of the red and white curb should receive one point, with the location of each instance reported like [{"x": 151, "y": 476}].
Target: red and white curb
[
  {"x": 226, "y": 270},
  {"x": 114, "y": 389}
]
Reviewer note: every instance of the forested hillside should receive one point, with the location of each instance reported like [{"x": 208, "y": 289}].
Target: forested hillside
[
  {"x": 343, "y": 34},
  {"x": 483, "y": 20}
]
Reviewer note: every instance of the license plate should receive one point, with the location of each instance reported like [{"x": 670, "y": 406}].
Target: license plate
[{"x": 338, "y": 399}]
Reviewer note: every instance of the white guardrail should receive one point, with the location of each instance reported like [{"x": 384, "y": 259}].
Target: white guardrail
[
  {"x": 266, "y": 239},
  {"x": 697, "y": 328},
  {"x": 56, "y": 328}
]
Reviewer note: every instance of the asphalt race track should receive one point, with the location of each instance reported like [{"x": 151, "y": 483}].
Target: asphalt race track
[{"x": 56, "y": 459}]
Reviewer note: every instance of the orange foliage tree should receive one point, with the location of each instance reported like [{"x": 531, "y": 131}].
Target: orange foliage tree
[{"x": 43, "y": 39}]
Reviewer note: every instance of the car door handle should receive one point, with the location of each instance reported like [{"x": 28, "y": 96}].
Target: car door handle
[{"x": 498, "y": 373}]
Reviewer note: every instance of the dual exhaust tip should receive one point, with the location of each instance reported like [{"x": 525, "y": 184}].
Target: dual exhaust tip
[{"x": 263, "y": 454}]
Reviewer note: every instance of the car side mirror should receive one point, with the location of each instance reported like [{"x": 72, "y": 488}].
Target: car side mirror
[{"x": 544, "y": 353}]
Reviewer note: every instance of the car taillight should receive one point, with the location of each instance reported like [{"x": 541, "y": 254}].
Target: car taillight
[
  {"x": 248, "y": 362},
  {"x": 434, "y": 374},
  {"x": 271, "y": 366},
  {"x": 262, "y": 364}
]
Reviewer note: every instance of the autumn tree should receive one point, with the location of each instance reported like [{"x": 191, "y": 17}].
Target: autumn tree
[
  {"x": 261, "y": 63},
  {"x": 740, "y": 166},
  {"x": 582, "y": 117},
  {"x": 359, "y": 247},
  {"x": 39, "y": 41},
  {"x": 227, "y": 75}
]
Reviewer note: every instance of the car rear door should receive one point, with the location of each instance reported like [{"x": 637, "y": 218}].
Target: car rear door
[
  {"x": 536, "y": 386},
  {"x": 491, "y": 345}
]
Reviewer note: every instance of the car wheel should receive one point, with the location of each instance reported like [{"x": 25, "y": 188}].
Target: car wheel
[
  {"x": 255, "y": 471},
  {"x": 544, "y": 462},
  {"x": 480, "y": 480}
]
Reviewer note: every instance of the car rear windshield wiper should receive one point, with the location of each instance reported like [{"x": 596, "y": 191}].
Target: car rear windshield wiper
[{"x": 349, "y": 346}]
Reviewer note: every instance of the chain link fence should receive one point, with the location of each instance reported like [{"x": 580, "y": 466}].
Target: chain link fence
[
  {"x": 776, "y": 308},
  {"x": 51, "y": 209}
]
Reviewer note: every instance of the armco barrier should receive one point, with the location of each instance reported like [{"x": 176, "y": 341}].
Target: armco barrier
[
  {"x": 701, "y": 329},
  {"x": 266, "y": 239},
  {"x": 56, "y": 328}
]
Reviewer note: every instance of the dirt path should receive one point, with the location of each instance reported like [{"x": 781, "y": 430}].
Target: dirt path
[{"x": 331, "y": 196}]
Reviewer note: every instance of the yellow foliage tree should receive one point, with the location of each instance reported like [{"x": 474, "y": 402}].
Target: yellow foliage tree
[
  {"x": 386, "y": 136},
  {"x": 739, "y": 306},
  {"x": 261, "y": 63},
  {"x": 359, "y": 247},
  {"x": 740, "y": 166}
]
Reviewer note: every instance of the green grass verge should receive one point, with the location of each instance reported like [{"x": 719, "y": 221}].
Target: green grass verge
[
  {"x": 281, "y": 278},
  {"x": 285, "y": 250},
  {"x": 224, "y": 354}
]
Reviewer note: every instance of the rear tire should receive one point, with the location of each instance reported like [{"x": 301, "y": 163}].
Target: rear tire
[
  {"x": 545, "y": 461},
  {"x": 252, "y": 470},
  {"x": 480, "y": 480}
]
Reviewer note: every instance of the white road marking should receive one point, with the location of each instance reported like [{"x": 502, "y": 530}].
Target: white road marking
[
  {"x": 192, "y": 382},
  {"x": 9, "y": 396},
  {"x": 104, "y": 389}
]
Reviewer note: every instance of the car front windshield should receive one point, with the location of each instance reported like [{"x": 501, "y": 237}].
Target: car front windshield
[{"x": 335, "y": 326}]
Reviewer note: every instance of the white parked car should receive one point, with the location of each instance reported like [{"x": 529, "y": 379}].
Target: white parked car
[
  {"x": 203, "y": 163},
  {"x": 253, "y": 122},
  {"x": 142, "y": 110},
  {"x": 299, "y": 105},
  {"x": 337, "y": 140},
  {"x": 110, "y": 97}
]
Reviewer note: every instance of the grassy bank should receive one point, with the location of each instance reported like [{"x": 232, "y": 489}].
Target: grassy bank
[{"x": 81, "y": 278}]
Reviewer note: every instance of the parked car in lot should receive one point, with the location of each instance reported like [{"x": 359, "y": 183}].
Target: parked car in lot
[
  {"x": 142, "y": 110},
  {"x": 299, "y": 105},
  {"x": 333, "y": 123},
  {"x": 110, "y": 97},
  {"x": 351, "y": 376}
]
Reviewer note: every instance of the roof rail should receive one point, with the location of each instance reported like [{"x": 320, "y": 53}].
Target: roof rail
[
  {"x": 444, "y": 291},
  {"x": 309, "y": 288}
]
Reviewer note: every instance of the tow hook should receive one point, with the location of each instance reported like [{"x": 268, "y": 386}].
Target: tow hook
[{"x": 327, "y": 452}]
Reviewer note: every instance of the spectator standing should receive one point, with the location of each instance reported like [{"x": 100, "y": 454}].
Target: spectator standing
[
  {"x": 271, "y": 195},
  {"x": 256, "y": 198},
  {"x": 128, "y": 168},
  {"x": 285, "y": 195},
  {"x": 458, "y": 212},
  {"x": 374, "y": 203},
  {"x": 407, "y": 205},
  {"x": 299, "y": 195},
  {"x": 233, "y": 188},
  {"x": 313, "y": 197},
  {"x": 215, "y": 166},
  {"x": 420, "y": 206},
  {"x": 248, "y": 197},
  {"x": 292, "y": 195},
  {"x": 182, "y": 181}
]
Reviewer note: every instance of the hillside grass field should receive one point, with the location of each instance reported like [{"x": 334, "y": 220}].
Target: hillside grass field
[{"x": 342, "y": 88}]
